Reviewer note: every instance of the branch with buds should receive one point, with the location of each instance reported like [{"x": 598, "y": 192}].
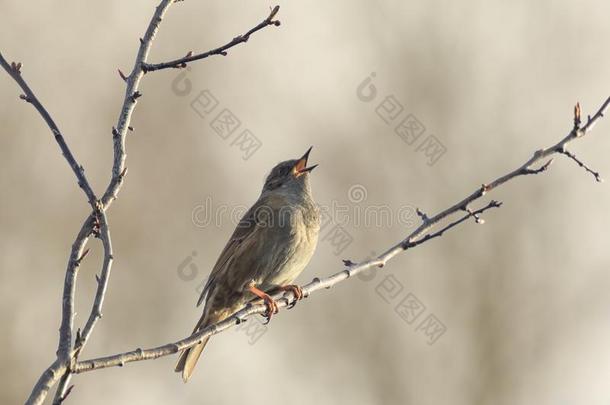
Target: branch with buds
[
  {"x": 71, "y": 344},
  {"x": 180, "y": 63},
  {"x": 95, "y": 225},
  {"x": 429, "y": 229}
]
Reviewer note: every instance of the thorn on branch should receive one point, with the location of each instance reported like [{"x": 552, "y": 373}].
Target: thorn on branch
[
  {"x": 582, "y": 164},
  {"x": 115, "y": 133},
  {"x": 63, "y": 397},
  {"x": 97, "y": 279},
  {"x": 122, "y": 75},
  {"x": 183, "y": 64},
  {"x": 80, "y": 259},
  {"x": 25, "y": 98},
  {"x": 141, "y": 41},
  {"x": 130, "y": 128},
  {"x": 348, "y": 263}
]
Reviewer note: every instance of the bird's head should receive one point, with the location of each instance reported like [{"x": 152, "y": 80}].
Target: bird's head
[{"x": 290, "y": 175}]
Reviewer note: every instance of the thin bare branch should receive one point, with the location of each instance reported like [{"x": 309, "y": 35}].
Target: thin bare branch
[
  {"x": 96, "y": 310},
  {"x": 471, "y": 214},
  {"x": 14, "y": 70},
  {"x": 132, "y": 93},
  {"x": 222, "y": 50},
  {"x": 417, "y": 237},
  {"x": 62, "y": 394},
  {"x": 77, "y": 255},
  {"x": 96, "y": 223},
  {"x": 582, "y": 164},
  {"x": 60, "y": 367},
  {"x": 63, "y": 388}
]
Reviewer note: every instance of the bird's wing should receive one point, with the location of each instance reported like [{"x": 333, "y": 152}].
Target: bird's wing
[{"x": 244, "y": 233}]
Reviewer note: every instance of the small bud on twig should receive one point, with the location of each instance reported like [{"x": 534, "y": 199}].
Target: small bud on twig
[
  {"x": 485, "y": 188},
  {"x": 16, "y": 66},
  {"x": 422, "y": 215},
  {"x": 577, "y": 116},
  {"x": 136, "y": 95},
  {"x": 274, "y": 11}
]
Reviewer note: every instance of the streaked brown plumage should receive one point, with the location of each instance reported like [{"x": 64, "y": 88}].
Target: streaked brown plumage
[{"x": 270, "y": 247}]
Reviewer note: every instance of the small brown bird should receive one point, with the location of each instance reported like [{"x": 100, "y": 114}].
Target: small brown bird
[{"x": 270, "y": 247}]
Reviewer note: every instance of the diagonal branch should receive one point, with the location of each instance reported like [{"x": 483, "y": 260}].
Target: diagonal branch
[
  {"x": 181, "y": 62},
  {"x": 583, "y": 165},
  {"x": 418, "y": 236},
  {"x": 77, "y": 254},
  {"x": 470, "y": 214},
  {"x": 14, "y": 70}
]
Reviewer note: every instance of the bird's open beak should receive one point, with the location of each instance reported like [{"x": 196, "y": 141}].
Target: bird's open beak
[{"x": 301, "y": 166}]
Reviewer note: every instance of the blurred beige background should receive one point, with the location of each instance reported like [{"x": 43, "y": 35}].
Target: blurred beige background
[{"x": 523, "y": 298}]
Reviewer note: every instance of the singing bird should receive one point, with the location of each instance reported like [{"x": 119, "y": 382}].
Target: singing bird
[{"x": 270, "y": 247}]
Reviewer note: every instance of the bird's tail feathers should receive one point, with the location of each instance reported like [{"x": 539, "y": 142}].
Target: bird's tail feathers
[{"x": 188, "y": 357}]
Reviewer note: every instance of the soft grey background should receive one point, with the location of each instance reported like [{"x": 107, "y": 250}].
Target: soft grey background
[{"x": 524, "y": 297}]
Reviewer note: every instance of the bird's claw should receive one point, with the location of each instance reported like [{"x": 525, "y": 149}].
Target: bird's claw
[
  {"x": 271, "y": 308},
  {"x": 296, "y": 291}
]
